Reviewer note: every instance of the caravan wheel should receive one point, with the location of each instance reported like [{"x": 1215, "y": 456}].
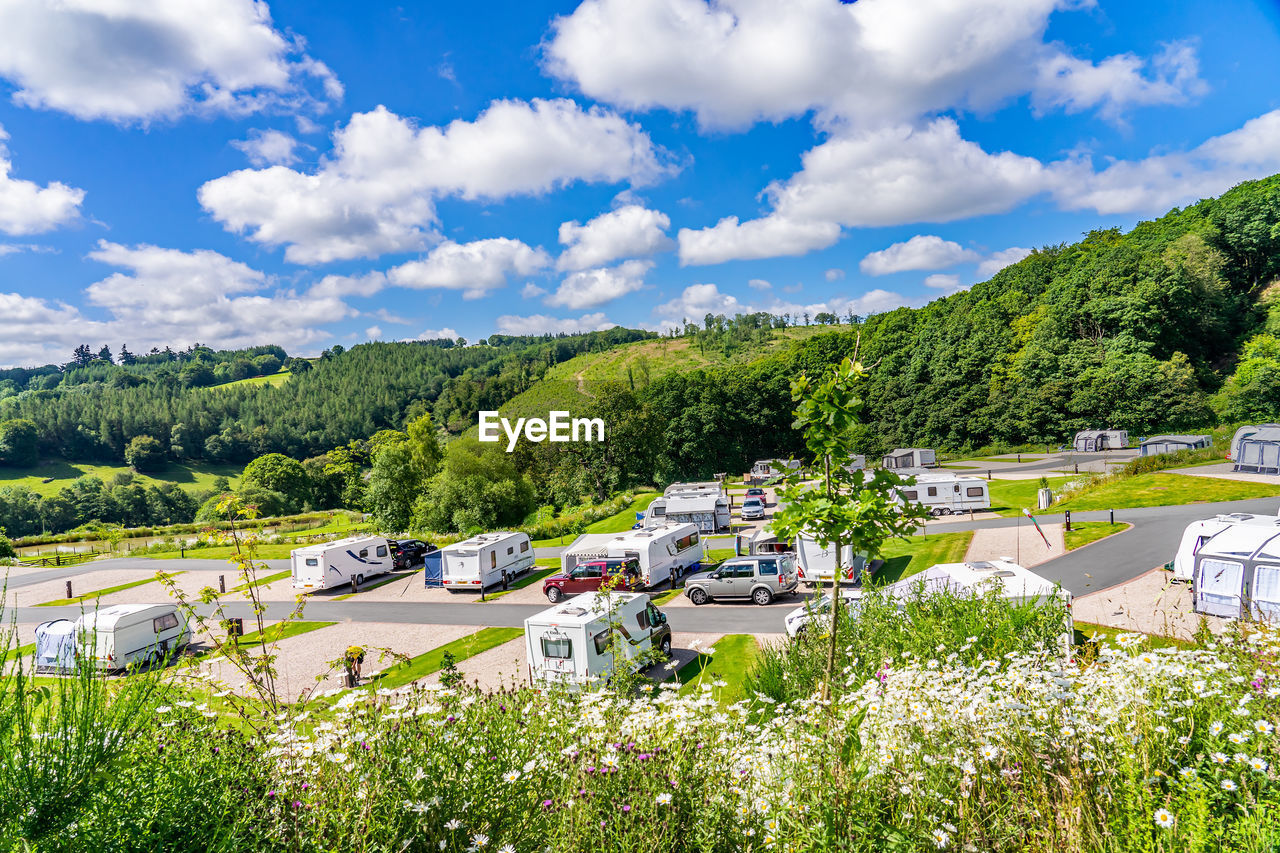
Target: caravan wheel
[
  {"x": 359, "y": 580},
  {"x": 665, "y": 645}
]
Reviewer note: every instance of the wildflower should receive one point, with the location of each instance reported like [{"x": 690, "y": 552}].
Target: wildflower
[
  {"x": 1263, "y": 727},
  {"x": 988, "y": 752},
  {"x": 1164, "y": 818},
  {"x": 163, "y": 709},
  {"x": 453, "y": 824},
  {"x": 1218, "y": 758},
  {"x": 511, "y": 775},
  {"x": 1258, "y": 764},
  {"x": 479, "y": 840},
  {"x": 1216, "y": 728},
  {"x": 1237, "y": 738},
  {"x": 507, "y": 848},
  {"x": 664, "y": 799},
  {"x": 1228, "y": 785},
  {"x": 941, "y": 839}
]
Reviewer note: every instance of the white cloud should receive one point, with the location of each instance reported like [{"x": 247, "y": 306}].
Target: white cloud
[
  {"x": 694, "y": 303},
  {"x": 532, "y": 291},
  {"x": 541, "y": 324},
  {"x": 474, "y": 268},
  {"x": 144, "y": 59},
  {"x": 28, "y": 208},
  {"x": 268, "y": 148},
  {"x": 768, "y": 237},
  {"x": 366, "y": 284},
  {"x": 834, "y": 274},
  {"x": 734, "y": 62},
  {"x": 921, "y": 252},
  {"x": 375, "y": 193},
  {"x": 589, "y": 288},
  {"x": 631, "y": 231},
  {"x": 446, "y": 333},
  {"x": 759, "y": 284},
  {"x": 997, "y": 261},
  {"x": 698, "y": 300},
  {"x": 373, "y": 333},
  {"x": 946, "y": 282}
]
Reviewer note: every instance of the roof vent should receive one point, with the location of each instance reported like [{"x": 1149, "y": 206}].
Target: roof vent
[
  {"x": 1003, "y": 573},
  {"x": 983, "y": 566},
  {"x": 572, "y": 611}
]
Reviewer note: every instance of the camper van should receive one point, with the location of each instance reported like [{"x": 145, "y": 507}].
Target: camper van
[
  {"x": 1237, "y": 573},
  {"x": 1200, "y": 532},
  {"x": 572, "y": 644},
  {"x": 765, "y": 470},
  {"x": 710, "y": 512},
  {"x": 335, "y": 564},
  {"x": 944, "y": 494},
  {"x": 113, "y": 638},
  {"x": 658, "y": 550},
  {"x": 817, "y": 564},
  {"x": 482, "y": 561}
]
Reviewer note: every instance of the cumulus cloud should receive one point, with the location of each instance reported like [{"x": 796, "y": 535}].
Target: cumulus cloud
[
  {"x": 589, "y": 288},
  {"x": 834, "y": 274},
  {"x": 474, "y": 268},
  {"x": 145, "y": 59},
  {"x": 997, "y": 261},
  {"x": 698, "y": 300},
  {"x": 768, "y": 237},
  {"x": 375, "y": 192},
  {"x": 28, "y": 208},
  {"x": 759, "y": 284},
  {"x": 631, "y": 231},
  {"x": 921, "y": 252},
  {"x": 373, "y": 333},
  {"x": 946, "y": 282},
  {"x": 734, "y": 62},
  {"x": 446, "y": 333},
  {"x": 541, "y": 324},
  {"x": 268, "y": 148},
  {"x": 532, "y": 291}
]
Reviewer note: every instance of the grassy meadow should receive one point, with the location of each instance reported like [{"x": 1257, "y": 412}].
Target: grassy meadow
[{"x": 60, "y": 473}]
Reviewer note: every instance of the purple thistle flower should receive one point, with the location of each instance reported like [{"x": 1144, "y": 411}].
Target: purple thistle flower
[{"x": 626, "y": 808}]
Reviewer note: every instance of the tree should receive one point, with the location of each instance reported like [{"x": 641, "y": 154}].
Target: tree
[
  {"x": 266, "y": 365},
  {"x": 82, "y": 356},
  {"x": 478, "y": 488},
  {"x": 6, "y": 547},
  {"x": 197, "y": 374},
  {"x": 846, "y": 506},
  {"x": 18, "y": 443},
  {"x": 395, "y": 483},
  {"x": 145, "y": 453},
  {"x": 424, "y": 446},
  {"x": 277, "y": 473},
  {"x": 127, "y": 357},
  {"x": 297, "y": 366},
  {"x": 826, "y": 318},
  {"x": 104, "y": 354}
]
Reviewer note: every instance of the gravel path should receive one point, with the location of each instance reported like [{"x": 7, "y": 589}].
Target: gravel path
[
  {"x": 1021, "y": 544},
  {"x": 1150, "y": 603},
  {"x": 54, "y": 590}
]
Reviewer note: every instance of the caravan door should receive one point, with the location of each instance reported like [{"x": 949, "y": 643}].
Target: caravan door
[
  {"x": 1264, "y": 593},
  {"x": 1219, "y": 587}
]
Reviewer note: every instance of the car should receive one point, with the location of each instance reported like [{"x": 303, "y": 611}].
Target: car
[
  {"x": 752, "y": 508},
  {"x": 409, "y": 553},
  {"x": 756, "y": 493},
  {"x": 816, "y": 610},
  {"x": 591, "y": 576},
  {"x": 761, "y": 578}
]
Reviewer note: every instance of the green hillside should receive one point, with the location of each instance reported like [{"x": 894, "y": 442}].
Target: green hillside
[
  {"x": 49, "y": 478},
  {"x": 274, "y": 380}
]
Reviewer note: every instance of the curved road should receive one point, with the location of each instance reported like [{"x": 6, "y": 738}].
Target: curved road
[{"x": 1151, "y": 542}]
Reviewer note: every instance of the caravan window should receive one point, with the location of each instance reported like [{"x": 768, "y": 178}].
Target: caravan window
[
  {"x": 686, "y": 542},
  {"x": 381, "y": 550},
  {"x": 167, "y": 622},
  {"x": 933, "y": 491},
  {"x": 511, "y": 550},
  {"x": 493, "y": 559},
  {"x": 364, "y": 552},
  {"x": 911, "y": 495},
  {"x": 524, "y": 546},
  {"x": 602, "y": 641},
  {"x": 313, "y": 561},
  {"x": 974, "y": 491},
  {"x": 557, "y": 648}
]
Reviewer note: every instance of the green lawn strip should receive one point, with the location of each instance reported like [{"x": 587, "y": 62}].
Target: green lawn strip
[
  {"x": 961, "y": 467},
  {"x": 1162, "y": 489},
  {"x": 1009, "y": 497},
  {"x": 425, "y": 664},
  {"x": 904, "y": 558},
  {"x": 734, "y": 655},
  {"x": 1084, "y": 631},
  {"x": 374, "y": 585},
  {"x": 617, "y": 523},
  {"x": 1082, "y": 533},
  {"x": 98, "y": 593},
  {"x": 263, "y": 581},
  {"x": 528, "y": 580},
  {"x": 23, "y": 651},
  {"x": 667, "y": 596},
  {"x": 281, "y": 631}
]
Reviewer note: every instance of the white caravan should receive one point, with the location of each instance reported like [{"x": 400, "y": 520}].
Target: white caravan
[
  {"x": 481, "y": 561},
  {"x": 573, "y": 643},
  {"x": 708, "y": 487},
  {"x": 1200, "y": 532},
  {"x": 659, "y": 550},
  {"x": 329, "y": 565},
  {"x": 944, "y": 494},
  {"x": 762, "y": 540},
  {"x": 1237, "y": 573},
  {"x": 710, "y": 512},
  {"x": 113, "y": 638},
  {"x": 816, "y": 564}
]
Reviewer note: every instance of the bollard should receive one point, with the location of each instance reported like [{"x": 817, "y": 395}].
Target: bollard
[
  {"x": 222, "y": 583},
  {"x": 1113, "y": 516},
  {"x": 1067, "y": 514},
  {"x": 1077, "y": 467},
  {"x": 988, "y": 474},
  {"x": 69, "y": 595},
  {"x": 182, "y": 552},
  {"x": 354, "y": 587},
  {"x": 1019, "y": 457}
]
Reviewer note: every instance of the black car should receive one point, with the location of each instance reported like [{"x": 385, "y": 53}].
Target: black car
[{"x": 409, "y": 553}]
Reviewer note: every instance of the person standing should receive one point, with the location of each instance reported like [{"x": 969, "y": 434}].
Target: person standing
[{"x": 353, "y": 659}]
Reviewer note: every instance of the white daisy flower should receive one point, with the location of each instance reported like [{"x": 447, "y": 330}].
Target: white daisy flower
[{"x": 1164, "y": 818}]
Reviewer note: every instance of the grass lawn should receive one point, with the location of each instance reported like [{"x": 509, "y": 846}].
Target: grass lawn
[
  {"x": 432, "y": 661},
  {"x": 281, "y": 631},
  {"x": 1008, "y": 497},
  {"x": 97, "y": 593},
  {"x": 617, "y": 523},
  {"x": 191, "y": 478},
  {"x": 274, "y": 380},
  {"x": 1082, "y": 533},
  {"x": 904, "y": 558},
  {"x": 1160, "y": 489},
  {"x": 734, "y": 655},
  {"x": 23, "y": 651},
  {"x": 528, "y": 580},
  {"x": 667, "y": 596},
  {"x": 1085, "y": 630},
  {"x": 338, "y": 528}
]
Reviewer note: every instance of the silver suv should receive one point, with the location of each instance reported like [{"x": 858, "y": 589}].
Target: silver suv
[{"x": 760, "y": 578}]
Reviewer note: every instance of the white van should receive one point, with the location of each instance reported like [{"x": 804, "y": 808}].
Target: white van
[
  {"x": 1200, "y": 532},
  {"x": 481, "y": 561},
  {"x": 659, "y": 550},
  {"x": 113, "y": 637},
  {"x": 572, "y": 644},
  {"x": 329, "y": 565},
  {"x": 944, "y": 494}
]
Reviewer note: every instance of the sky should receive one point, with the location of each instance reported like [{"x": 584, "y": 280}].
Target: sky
[{"x": 232, "y": 173}]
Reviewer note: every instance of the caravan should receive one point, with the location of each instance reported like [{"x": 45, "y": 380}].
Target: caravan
[
  {"x": 113, "y": 638},
  {"x": 1202, "y": 531},
  {"x": 762, "y": 540},
  {"x": 1237, "y": 573},
  {"x": 659, "y": 551},
  {"x": 330, "y": 565},
  {"x": 944, "y": 494},
  {"x": 710, "y": 512},
  {"x": 574, "y": 644},
  {"x": 817, "y": 564},
  {"x": 483, "y": 561},
  {"x": 704, "y": 487}
]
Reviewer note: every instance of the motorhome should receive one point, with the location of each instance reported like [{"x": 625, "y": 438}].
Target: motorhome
[
  {"x": 659, "y": 550},
  {"x": 1202, "y": 531},
  {"x": 330, "y": 565},
  {"x": 817, "y": 564},
  {"x": 710, "y": 512},
  {"x": 576, "y": 643},
  {"x": 113, "y": 638},
  {"x": 944, "y": 494},
  {"x": 1237, "y": 573},
  {"x": 764, "y": 470},
  {"x": 482, "y": 561}
]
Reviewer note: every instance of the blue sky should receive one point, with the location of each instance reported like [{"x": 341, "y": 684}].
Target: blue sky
[{"x": 233, "y": 172}]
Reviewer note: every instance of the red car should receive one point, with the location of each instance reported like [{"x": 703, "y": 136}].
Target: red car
[{"x": 591, "y": 576}]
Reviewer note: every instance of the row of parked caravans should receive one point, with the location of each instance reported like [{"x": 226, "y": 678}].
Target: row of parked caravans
[
  {"x": 1233, "y": 564},
  {"x": 475, "y": 564}
]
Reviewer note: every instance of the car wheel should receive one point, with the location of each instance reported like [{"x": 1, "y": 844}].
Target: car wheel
[
  {"x": 554, "y": 594},
  {"x": 699, "y": 596},
  {"x": 762, "y": 596},
  {"x": 665, "y": 645}
]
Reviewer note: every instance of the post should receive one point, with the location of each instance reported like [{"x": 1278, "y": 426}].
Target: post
[
  {"x": 182, "y": 551},
  {"x": 222, "y": 583},
  {"x": 69, "y": 595},
  {"x": 1019, "y": 457},
  {"x": 1113, "y": 515},
  {"x": 1067, "y": 515},
  {"x": 988, "y": 474},
  {"x": 1077, "y": 467},
  {"x": 354, "y": 587}
]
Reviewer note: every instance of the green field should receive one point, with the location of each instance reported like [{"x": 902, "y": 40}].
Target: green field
[
  {"x": 192, "y": 478},
  {"x": 1082, "y": 533},
  {"x": 1010, "y": 497},
  {"x": 734, "y": 655},
  {"x": 528, "y": 580},
  {"x": 1162, "y": 489},
  {"x": 432, "y": 661},
  {"x": 904, "y": 558},
  {"x": 266, "y": 551},
  {"x": 275, "y": 380}
]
